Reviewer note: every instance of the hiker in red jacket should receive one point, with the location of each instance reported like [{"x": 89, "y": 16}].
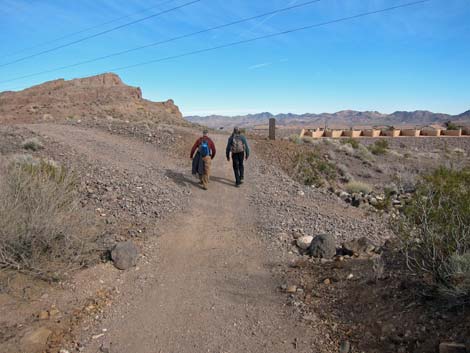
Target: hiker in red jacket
[{"x": 202, "y": 161}]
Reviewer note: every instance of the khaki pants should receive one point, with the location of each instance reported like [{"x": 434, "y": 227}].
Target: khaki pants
[{"x": 207, "y": 171}]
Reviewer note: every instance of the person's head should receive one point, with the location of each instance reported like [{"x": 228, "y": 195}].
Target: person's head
[
  {"x": 205, "y": 132},
  {"x": 236, "y": 131}
]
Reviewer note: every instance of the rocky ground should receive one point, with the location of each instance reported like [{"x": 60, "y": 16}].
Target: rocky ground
[{"x": 232, "y": 269}]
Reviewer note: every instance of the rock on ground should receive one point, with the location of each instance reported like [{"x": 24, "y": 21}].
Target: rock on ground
[
  {"x": 124, "y": 255},
  {"x": 323, "y": 246}
]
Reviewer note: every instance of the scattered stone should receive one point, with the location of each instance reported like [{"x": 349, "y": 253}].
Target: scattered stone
[
  {"x": 322, "y": 246},
  {"x": 350, "y": 276},
  {"x": 124, "y": 255},
  {"x": 35, "y": 340},
  {"x": 43, "y": 315},
  {"x": 452, "y": 347},
  {"x": 291, "y": 289},
  {"x": 345, "y": 347},
  {"x": 304, "y": 242},
  {"x": 327, "y": 281}
]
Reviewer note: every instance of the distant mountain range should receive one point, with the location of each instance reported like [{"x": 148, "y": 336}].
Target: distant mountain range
[{"x": 345, "y": 118}]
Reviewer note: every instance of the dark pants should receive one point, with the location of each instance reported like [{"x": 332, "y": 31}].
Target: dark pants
[{"x": 238, "y": 168}]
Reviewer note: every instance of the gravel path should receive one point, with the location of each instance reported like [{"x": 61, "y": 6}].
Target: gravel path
[{"x": 207, "y": 283}]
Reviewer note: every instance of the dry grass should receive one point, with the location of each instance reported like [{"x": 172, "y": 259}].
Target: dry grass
[
  {"x": 355, "y": 187},
  {"x": 42, "y": 226}
]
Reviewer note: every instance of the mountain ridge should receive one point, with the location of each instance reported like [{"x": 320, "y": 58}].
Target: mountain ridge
[{"x": 343, "y": 118}]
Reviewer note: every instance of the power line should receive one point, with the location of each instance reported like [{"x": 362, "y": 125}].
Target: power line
[
  {"x": 99, "y": 33},
  {"x": 86, "y": 29},
  {"x": 298, "y": 29},
  {"x": 293, "y": 30},
  {"x": 270, "y": 13}
]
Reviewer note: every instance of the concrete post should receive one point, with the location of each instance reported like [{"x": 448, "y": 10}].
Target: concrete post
[{"x": 272, "y": 129}]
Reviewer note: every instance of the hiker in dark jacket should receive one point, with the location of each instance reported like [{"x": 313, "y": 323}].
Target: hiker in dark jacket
[
  {"x": 238, "y": 147},
  {"x": 202, "y": 161}
]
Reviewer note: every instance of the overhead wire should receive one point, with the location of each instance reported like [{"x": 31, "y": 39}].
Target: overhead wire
[
  {"x": 99, "y": 33},
  {"x": 86, "y": 29},
  {"x": 267, "y": 36},
  {"x": 154, "y": 44}
]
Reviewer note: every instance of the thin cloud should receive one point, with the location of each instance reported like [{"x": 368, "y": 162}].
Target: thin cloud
[{"x": 259, "y": 66}]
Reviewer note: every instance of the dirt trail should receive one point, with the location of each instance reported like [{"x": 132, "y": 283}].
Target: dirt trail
[{"x": 207, "y": 284}]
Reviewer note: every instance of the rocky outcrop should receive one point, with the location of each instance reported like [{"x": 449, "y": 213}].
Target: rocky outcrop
[{"x": 99, "y": 96}]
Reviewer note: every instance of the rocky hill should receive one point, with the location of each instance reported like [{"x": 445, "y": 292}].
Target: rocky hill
[
  {"x": 98, "y": 96},
  {"x": 345, "y": 118}
]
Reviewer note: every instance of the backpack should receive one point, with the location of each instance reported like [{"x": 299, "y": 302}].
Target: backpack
[
  {"x": 237, "y": 144},
  {"x": 204, "y": 149}
]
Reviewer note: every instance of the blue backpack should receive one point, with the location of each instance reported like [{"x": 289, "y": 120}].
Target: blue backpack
[{"x": 204, "y": 149}]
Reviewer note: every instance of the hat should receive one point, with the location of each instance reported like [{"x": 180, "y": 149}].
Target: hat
[{"x": 205, "y": 131}]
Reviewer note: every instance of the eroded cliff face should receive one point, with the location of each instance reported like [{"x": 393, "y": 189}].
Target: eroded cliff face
[{"x": 98, "y": 96}]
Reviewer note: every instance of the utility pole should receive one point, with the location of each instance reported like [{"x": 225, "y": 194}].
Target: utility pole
[{"x": 272, "y": 129}]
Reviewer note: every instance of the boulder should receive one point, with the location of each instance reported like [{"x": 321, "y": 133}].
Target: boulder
[
  {"x": 304, "y": 242},
  {"x": 359, "y": 246},
  {"x": 323, "y": 246},
  {"x": 124, "y": 255}
]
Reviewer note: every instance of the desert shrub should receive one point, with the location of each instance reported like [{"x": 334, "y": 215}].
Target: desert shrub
[
  {"x": 364, "y": 154},
  {"x": 355, "y": 187},
  {"x": 379, "y": 147},
  {"x": 311, "y": 169},
  {"x": 308, "y": 139},
  {"x": 41, "y": 222},
  {"x": 32, "y": 144},
  {"x": 296, "y": 139},
  {"x": 346, "y": 148},
  {"x": 452, "y": 126},
  {"x": 435, "y": 231},
  {"x": 344, "y": 172},
  {"x": 353, "y": 142}
]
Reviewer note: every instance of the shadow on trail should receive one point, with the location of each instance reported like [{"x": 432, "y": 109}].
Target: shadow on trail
[
  {"x": 181, "y": 179},
  {"x": 222, "y": 181}
]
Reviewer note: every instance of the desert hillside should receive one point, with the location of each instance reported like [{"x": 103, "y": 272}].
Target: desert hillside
[{"x": 98, "y": 96}]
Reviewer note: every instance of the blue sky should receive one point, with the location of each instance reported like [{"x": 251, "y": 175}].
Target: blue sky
[{"x": 408, "y": 59}]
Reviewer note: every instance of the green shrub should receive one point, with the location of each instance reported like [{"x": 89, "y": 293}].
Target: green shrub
[
  {"x": 41, "y": 222},
  {"x": 353, "y": 142},
  {"x": 379, "y": 147},
  {"x": 355, "y": 187},
  {"x": 32, "y": 144},
  {"x": 452, "y": 126},
  {"x": 435, "y": 231},
  {"x": 311, "y": 169}
]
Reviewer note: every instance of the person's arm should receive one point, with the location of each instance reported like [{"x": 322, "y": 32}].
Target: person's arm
[
  {"x": 247, "y": 148},
  {"x": 229, "y": 145},
  {"x": 196, "y": 144},
  {"x": 212, "y": 147}
]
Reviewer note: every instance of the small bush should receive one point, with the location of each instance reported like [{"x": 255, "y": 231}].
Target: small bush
[
  {"x": 346, "y": 148},
  {"x": 355, "y": 187},
  {"x": 308, "y": 139},
  {"x": 435, "y": 231},
  {"x": 32, "y": 144},
  {"x": 41, "y": 222},
  {"x": 380, "y": 147},
  {"x": 311, "y": 169},
  {"x": 452, "y": 126},
  {"x": 296, "y": 139},
  {"x": 353, "y": 142},
  {"x": 364, "y": 154}
]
